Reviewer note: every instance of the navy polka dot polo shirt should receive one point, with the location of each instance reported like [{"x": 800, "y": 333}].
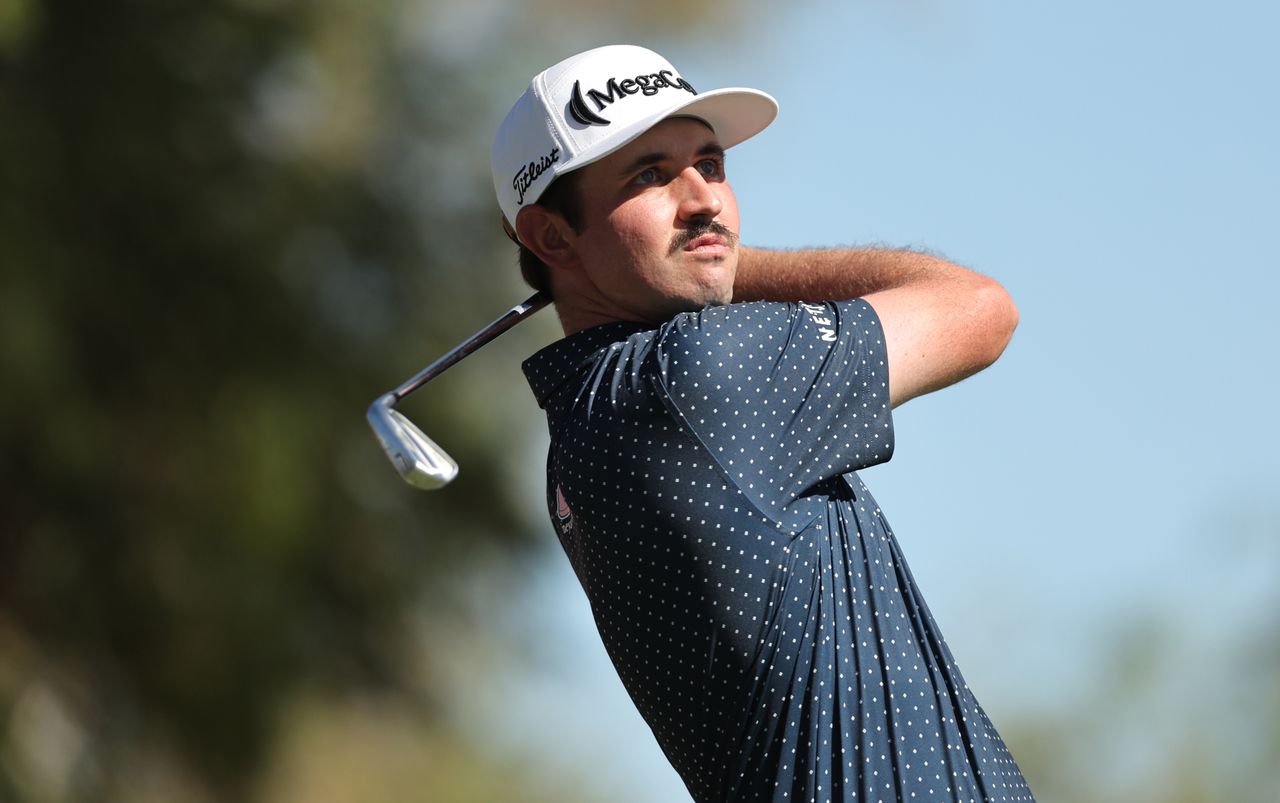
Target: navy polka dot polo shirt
[{"x": 748, "y": 589}]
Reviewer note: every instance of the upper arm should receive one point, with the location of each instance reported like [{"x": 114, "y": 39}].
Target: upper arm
[
  {"x": 782, "y": 396},
  {"x": 939, "y": 331}
]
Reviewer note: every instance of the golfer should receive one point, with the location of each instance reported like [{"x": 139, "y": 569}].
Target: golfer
[{"x": 709, "y": 407}]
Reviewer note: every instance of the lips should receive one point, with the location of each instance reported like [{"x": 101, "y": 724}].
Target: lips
[
  {"x": 707, "y": 237},
  {"x": 707, "y": 241}
]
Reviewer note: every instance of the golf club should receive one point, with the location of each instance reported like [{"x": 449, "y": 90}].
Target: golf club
[{"x": 419, "y": 460}]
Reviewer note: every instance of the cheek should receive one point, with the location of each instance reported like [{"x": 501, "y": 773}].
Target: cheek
[
  {"x": 729, "y": 209},
  {"x": 631, "y": 239},
  {"x": 639, "y": 239},
  {"x": 618, "y": 260},
  {"x": 638, "y": 219}
]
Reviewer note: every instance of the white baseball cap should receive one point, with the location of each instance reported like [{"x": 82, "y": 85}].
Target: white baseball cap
[{"x": 590, "y": 105}]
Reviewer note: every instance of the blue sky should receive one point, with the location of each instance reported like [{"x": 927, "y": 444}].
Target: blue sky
[{"x": 1115, "y": 166}]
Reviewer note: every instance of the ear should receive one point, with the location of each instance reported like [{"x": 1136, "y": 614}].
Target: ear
[{"x": 547, "y": 235}]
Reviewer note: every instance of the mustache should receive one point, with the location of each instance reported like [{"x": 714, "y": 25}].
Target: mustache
[{"x": 683, "y": 238}]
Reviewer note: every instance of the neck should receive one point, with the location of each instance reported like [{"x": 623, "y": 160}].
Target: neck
[
  {"x": 580, "y": 304},
  {"x": 575, "y": 316}
]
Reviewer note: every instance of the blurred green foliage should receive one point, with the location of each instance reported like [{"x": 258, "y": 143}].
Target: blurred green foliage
[
  {"x": 1145, "y": 730},
  {"x": 224, "y": 228}
]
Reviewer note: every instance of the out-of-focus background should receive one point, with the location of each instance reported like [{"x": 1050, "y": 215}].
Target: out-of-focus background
[{"x": 225, "y": 227}]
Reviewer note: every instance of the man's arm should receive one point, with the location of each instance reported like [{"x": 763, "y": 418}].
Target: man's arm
[{"x": 942, "y": 322}]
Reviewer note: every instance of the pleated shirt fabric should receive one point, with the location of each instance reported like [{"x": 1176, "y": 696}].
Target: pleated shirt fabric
[{"x": 747, "y": 587}]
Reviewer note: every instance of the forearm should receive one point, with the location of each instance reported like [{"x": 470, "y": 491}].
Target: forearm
[
  {"x": 942, "y": 322},
  {"x": 832, "y": 274}
]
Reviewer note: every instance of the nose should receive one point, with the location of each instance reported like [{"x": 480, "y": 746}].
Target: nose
[{"x": 698, "y": 199}]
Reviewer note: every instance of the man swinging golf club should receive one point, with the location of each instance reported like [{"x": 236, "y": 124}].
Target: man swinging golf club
[{"x": 709, "y": 406}]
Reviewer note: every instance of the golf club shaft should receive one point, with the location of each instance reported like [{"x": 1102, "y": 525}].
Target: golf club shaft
[{"x": 512, "y": 317}]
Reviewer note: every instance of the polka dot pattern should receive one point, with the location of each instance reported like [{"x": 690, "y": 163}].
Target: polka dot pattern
[{"x": 745, "y": 584}]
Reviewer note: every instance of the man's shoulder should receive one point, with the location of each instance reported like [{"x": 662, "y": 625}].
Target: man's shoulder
[
  {"x": 756, "y": 339},
  {"x": 763, "y": 326},
  {"x": 720, "y": 326},
  {"x": 724, "y": 345}
]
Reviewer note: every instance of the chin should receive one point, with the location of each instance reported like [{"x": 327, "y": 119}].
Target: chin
[
  {"x": 719, "y": 299},
  {"x": 715, "y": 287}
]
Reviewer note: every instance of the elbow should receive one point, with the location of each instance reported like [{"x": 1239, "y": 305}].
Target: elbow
[{"x": 999, "y": 317}]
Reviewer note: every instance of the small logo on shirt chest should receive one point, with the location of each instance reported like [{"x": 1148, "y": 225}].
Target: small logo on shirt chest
[{"x": 564, "y": 515}]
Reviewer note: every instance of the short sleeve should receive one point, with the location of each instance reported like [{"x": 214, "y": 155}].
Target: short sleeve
[{"x": 782, "y": 396}]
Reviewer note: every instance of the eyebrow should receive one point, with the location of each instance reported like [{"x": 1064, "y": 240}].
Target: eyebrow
[{"x": 645, "y": 160}]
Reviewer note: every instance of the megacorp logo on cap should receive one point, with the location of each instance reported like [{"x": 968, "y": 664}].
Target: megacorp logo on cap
[{"x": 615, "y": 90}]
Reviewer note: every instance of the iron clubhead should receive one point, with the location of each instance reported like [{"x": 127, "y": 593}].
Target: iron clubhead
[
  {"x": 423, "y": 464},
  {"x": 420, "y": 462}
]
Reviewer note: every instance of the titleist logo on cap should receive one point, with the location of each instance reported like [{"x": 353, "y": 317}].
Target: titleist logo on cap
[
  {"x": 531, "y": 172},
  {"x": 615, "y": 90}
]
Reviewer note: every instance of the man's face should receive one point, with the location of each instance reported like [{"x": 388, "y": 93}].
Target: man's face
[{"x": 659, "y": 231}]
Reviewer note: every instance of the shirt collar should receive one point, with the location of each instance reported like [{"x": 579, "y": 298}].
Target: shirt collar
[{"x": 550, "y": 367}]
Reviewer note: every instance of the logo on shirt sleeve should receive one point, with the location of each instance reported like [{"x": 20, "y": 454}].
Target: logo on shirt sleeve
[{"x": 819, "y": 315}]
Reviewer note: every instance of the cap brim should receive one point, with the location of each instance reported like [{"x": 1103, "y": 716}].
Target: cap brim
[{"x": 734, "y": 113}]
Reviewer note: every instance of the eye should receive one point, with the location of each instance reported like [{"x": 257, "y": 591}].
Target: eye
[
  {"x": 647, "y": 176},
  {"x": 711, "y": 168}
]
